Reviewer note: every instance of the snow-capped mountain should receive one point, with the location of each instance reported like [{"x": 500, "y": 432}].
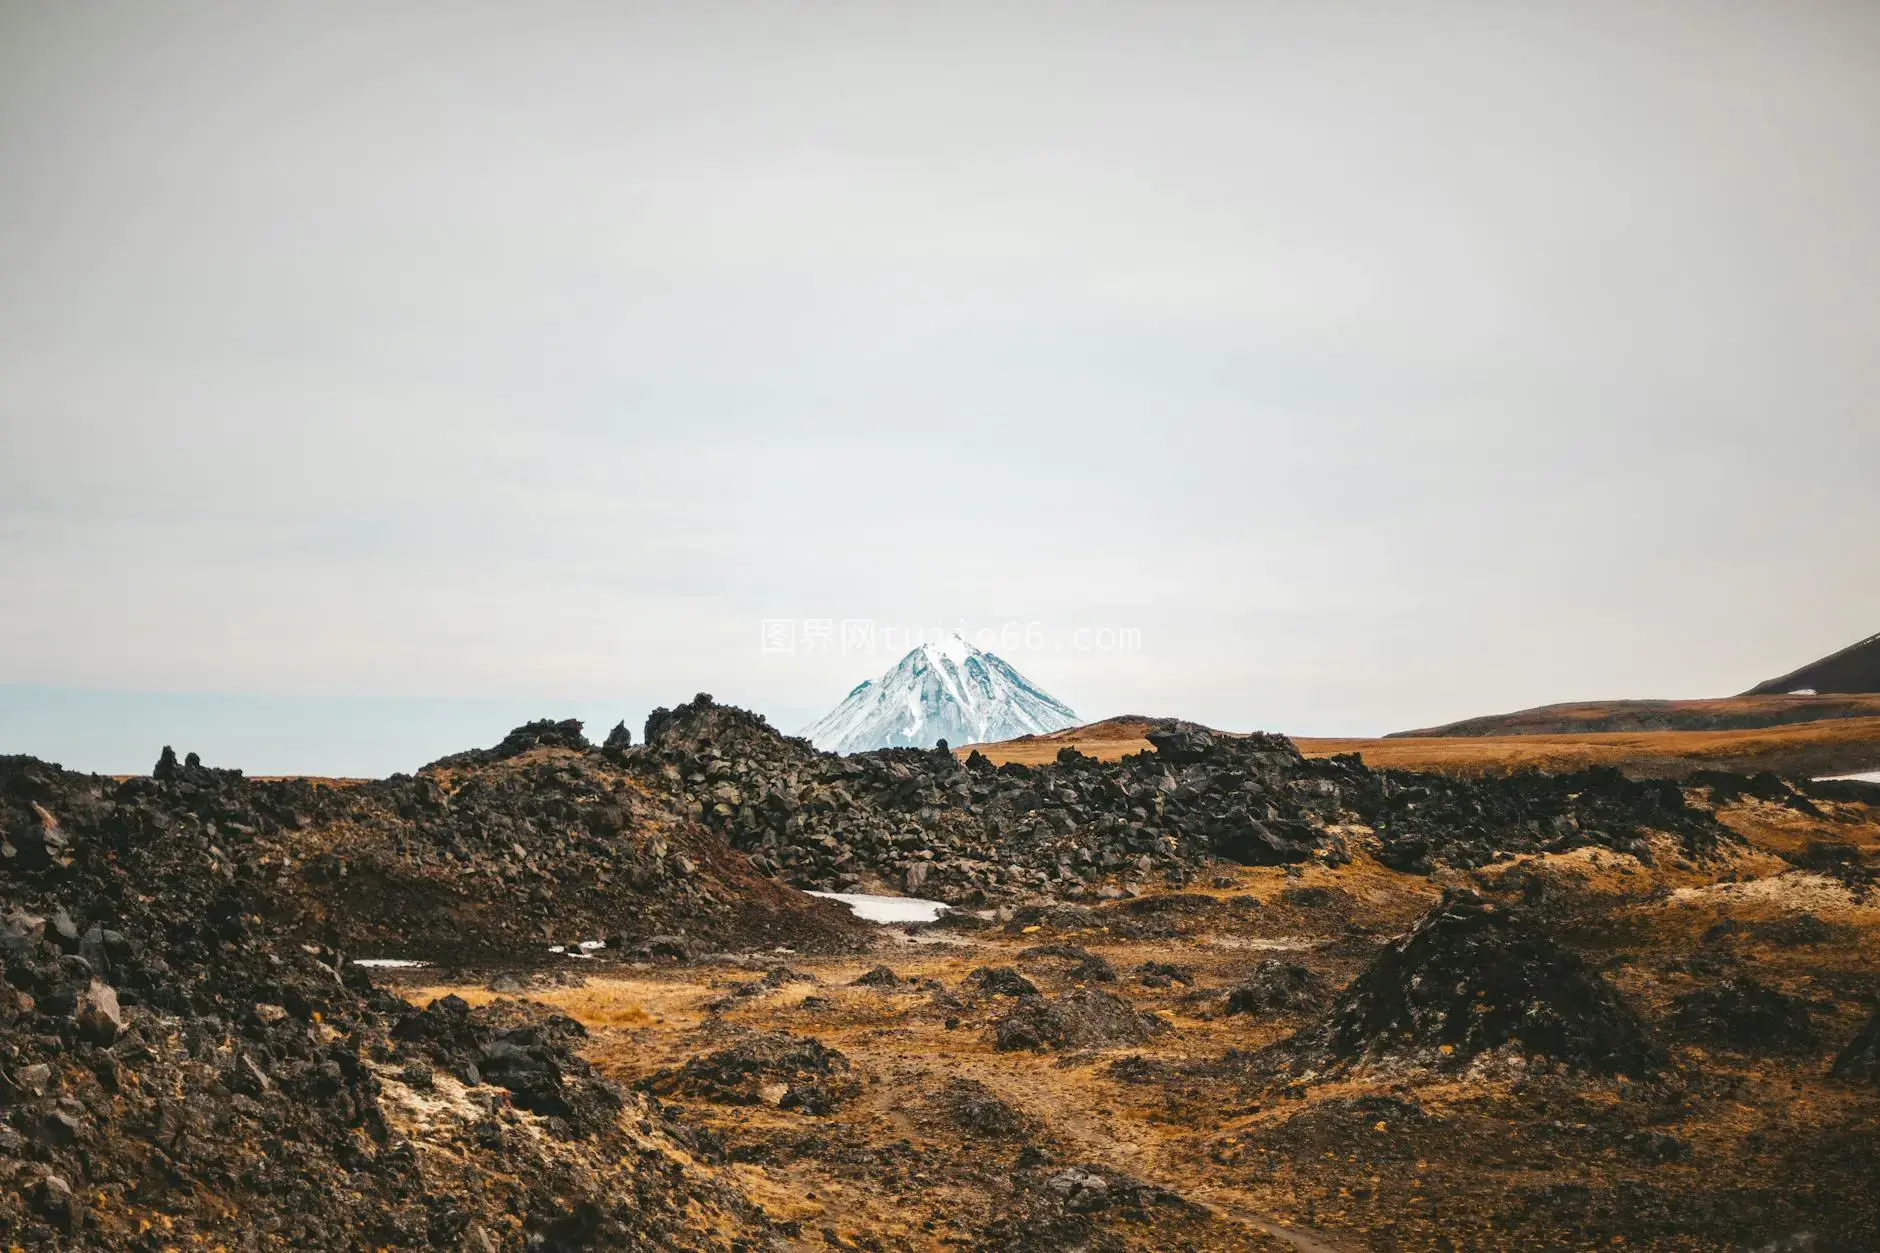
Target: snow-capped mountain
[{"x": 946, "y": 690}]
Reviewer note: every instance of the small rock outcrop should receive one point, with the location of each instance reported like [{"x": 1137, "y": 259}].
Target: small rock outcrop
[
  {"x": 970, "y": 833},
  {"x": 1086, "y": 1018},
  {"x": 1276, "y": 985},
  {"x": 764, "y": 1067},
  {"x": 1473, "y": 977},
  {"x": 1746, "y": 1015},
  {"x": 999, "y": 981}
]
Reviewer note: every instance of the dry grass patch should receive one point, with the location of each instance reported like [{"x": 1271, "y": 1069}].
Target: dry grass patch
[{"x": 600, "y": 1003}]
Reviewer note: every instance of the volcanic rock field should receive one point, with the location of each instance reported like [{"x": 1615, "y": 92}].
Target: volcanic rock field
[{"x": 1214, "y": 995}]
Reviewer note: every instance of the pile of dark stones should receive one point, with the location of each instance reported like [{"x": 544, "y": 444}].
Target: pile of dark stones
[
  {"x": 1082, "y": 1018},
  {"x": 968, "y": 832},
  {"x": 1276, "y": 986},
  {"x": 1744, "y": 1014},
  {"x": 180, "y": 1065},
  {"x": 758, "y": 1067},
  {"x": 1473, "y": 977},
  {"x": 534, "y": 1061}
]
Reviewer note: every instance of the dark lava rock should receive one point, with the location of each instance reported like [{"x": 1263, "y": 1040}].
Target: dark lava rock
[
  {"x": 1056, "y": 1207},
  {"x": 1471, "y": 977},
  {"x": 972, "y": 1107},
  {"x": 445, "y": 1026},
  {"x": 535, "y": 1060},
  {"x": 52, "y": 1198},
  {"x": 1087, "y": 1018},
  {"x": 1276, "y": 985},
  {"x": 1069, "y": 961},
  {"x": 1852, "y": 791},
  {"x": 877, "y": 977},
  {"x": 545, "y": 733},
  {"x": 1183, "y": 745},
  {"x": 1427, "y": 820},
  {"x": 1743, "y": 1014},
  {"x": 813, "y": 1078},
  {"x": 702, "y": 723},
  {"x": 542, "y": 733},
  {"x": 1164, "y": 974},
  {"x": 972, "y": 834},
  {"x": 999, "y": 981},
  {"x": 676, "y": 947},
  {"x": 175, "y": 1029},
  {"x": 1861, "y": 1058}
]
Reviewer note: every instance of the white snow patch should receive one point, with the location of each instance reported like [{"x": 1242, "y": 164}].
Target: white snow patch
[
  {"x": 952, "y": 647},
  {"x": 887, "y": 908},
  {"x": 389, "y": 963},
  {"x": 1866, "y": 776}
]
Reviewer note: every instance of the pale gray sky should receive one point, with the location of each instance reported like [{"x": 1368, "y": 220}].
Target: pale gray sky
[{"x": 1381, "y": 363}]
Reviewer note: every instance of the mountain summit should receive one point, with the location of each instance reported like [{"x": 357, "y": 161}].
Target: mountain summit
[{"x": 944, "y": 690}]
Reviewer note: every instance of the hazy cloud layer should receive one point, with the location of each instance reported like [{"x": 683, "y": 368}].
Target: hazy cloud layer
[{"x": 1380, "y": 363}]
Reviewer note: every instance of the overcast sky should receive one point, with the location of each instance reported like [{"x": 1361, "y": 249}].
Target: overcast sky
[{"x": 374, "y": 375}]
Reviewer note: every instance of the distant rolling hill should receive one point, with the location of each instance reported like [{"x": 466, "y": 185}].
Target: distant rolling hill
[
  {"x": 1841, "y": 685},
  {"x": 1844, "y": 745},
  {"x": 1855, "y": 668},
  {"x": 1730, "y": 713},
  {"x": 1823, "y": 719}
]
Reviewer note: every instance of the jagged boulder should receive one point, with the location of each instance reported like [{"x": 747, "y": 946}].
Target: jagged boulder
[
  {"x": 534, "y": 1058},
  {"x": 999, "y": 981},
  {"x": 1276, "y": 985},
  {"x": 542, "y": 733},
  {"x": 1155, "y": 974},
  {"x": 702, "y": 723}
]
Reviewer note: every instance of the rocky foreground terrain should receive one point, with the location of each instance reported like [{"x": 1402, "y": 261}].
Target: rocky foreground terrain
[{"x": 1214, "y": 995}]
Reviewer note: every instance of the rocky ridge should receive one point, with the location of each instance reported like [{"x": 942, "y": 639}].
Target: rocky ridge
[
  {"x": 185, "y": 1047},
  {"x": 969, "y": 832},
  {"x": 183, "y": 1063}
]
